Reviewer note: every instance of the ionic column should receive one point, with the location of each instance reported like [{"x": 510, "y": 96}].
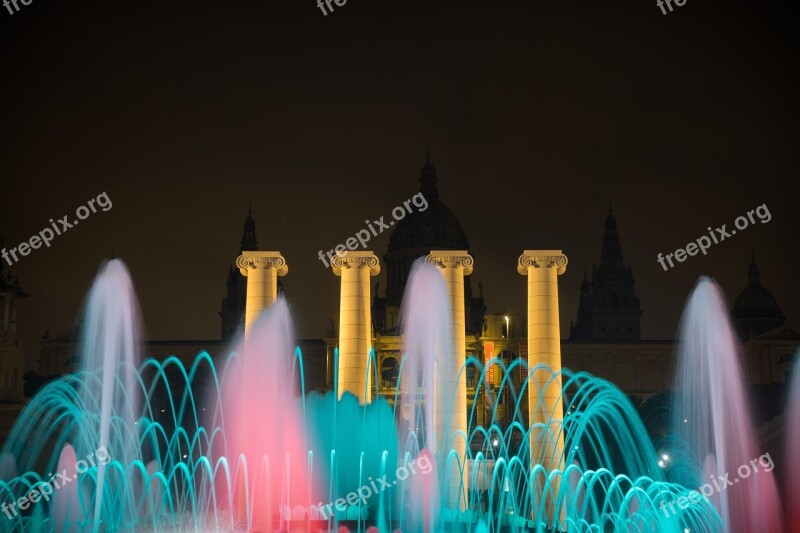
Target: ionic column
[
  {"x": 355, "y": 322},
  {"x": 261, "y": 270},
  {"x": 450, "y": 418},
  {"x": 544, "y": 346}
]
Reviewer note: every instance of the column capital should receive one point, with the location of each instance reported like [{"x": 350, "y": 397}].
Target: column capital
[
  {"x": 350, "y": 259},
  {"x": 542, "y": 258},
  {"x": 451, "y": 259},
  {"x": 251, "y": 260}
]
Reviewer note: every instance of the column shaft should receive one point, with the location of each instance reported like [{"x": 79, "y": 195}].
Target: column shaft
[
  {"x": 450, "y": 411},
  {"x": 355, "y": 323},
  {"x": 545, "y": 406},
  {"x": 261, "y": 270}
]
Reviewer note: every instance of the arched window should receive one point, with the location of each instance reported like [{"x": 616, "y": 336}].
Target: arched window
[{"x": 389, "y": 371}]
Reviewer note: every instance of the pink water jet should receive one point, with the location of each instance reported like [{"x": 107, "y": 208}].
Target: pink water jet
[
  {"x": 713, "y": 416},
  {"x": 66, "y": 508},
  {"x": 425, "y": 495},
  {"x": 262, "y": 420}
]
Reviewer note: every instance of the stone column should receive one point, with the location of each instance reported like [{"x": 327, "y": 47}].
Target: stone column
[
  {"x": 454, "y": 265},
  {"x": 355, "y": 322},
  {"x": 544, "y": 346},
  {"x": 261, "y": 270}
]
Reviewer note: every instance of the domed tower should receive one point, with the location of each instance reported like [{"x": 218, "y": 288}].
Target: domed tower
[
  {"x": 755, "y": 311},
  {"x": 435, "y": 228},
  {"x": 609, "y": 308},
  {"x": 232, "y": 311}
]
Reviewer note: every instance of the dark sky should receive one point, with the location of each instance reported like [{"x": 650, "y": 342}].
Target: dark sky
[{"x": 537, "y": 113}]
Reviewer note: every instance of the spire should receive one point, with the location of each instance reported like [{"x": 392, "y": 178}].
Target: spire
[
  {"x": 249, "y": 241},
  {"x": 753, "y": 274},
  {"x": 586, "y": 288},
  {"x": 427, "y": 179},
  {"x": 608, "y": 308},
  {"x": 611, "y": 250}
]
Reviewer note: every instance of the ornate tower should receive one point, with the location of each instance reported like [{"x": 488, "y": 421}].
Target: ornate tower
[
  {"x": 609, "y": 308},
  {"x": 233, "y": 305}
]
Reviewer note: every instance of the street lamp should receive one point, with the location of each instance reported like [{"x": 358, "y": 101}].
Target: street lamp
[{"x": 506, "y": 410}]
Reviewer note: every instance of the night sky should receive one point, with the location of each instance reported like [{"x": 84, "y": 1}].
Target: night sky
[{"x": 537, "y": 113}]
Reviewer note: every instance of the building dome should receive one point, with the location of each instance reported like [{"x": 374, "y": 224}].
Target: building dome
[
  {"x": 436, "y": 228},
  {"x": 756, "y": 310},
  {"x": 756, "y": 301},
  {"x": 419, "y": 232}
]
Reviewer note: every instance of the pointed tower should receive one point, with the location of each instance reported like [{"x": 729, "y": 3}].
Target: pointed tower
[
  {"x": 232, "y": 311},
  {"x": 609, "y": 309},
  {"x": 756, "y": 310},
  {"x": 249, "y": 242}
]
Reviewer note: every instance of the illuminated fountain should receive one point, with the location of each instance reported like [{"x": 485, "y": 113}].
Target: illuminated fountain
[
  {"x": 245, "y": 449},
  {"x": 712, "y": 423}
]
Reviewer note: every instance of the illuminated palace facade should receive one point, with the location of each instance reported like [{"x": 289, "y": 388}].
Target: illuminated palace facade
[{"x": 604, "y": 338}]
